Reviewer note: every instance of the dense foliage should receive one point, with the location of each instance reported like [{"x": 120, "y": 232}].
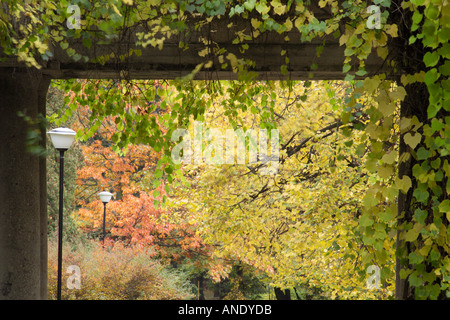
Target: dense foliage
[
  {"x": 411, "y": 36},
  {"x": 119, "y": 273}
]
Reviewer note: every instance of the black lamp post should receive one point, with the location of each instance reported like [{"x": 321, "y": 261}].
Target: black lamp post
[
  {"x": 105, "y": 197},
  {"x": 62, "y": 139}
]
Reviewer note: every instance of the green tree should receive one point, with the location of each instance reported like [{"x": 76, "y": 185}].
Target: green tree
[{"x": 72, "y": 161}]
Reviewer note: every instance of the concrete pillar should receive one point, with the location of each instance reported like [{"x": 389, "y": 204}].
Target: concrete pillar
[
  {"x": 42, "y": 103},
  {"x": 20, "y": 183}
]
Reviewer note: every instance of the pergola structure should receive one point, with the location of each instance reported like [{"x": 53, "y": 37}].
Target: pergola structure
[{"x": 23, "y": 198}]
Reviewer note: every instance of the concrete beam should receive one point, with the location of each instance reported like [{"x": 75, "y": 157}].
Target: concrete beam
[{"x": 172, "y": 61}]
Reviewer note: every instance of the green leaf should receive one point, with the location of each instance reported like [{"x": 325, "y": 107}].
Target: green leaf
[
  {"x": 431, "y": 76},
  {"x": 404, "y": 273},
  {"x": 423, "y": 153},
  {"x": 346, "y": 68},
  {"x": 386, "y": 215},
  {"x": 437, "y": 125},
  {"x": 415, "y": 258},
  {"x": 250, "y": 4},
  {"x": 365, "y": 220},
  {"x": 158, "y": 173},
  {"x": 431, "y": 58},
  {"x": 432, "y": 110},
  {"x": 168, "y": 169},
  {"x": 349, "y": 77},
  {"x": 64, "y": 45},
  {"x": 262, "y": 8},
  {"x": 445, "y": 68},
  {"x": 87, "y": 42},
  {"x": 420, "y": 215},
  {"x": 421, "y": 195},
  {"x": 76, "y": 57},
  {"x": 434, "y": 255},
  {"x": 414, "y": 280},
  {"x": 432, "y": 12},
  {"x": 417, "y": 17}
]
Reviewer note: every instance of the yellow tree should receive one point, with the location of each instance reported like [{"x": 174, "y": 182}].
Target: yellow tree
[{"x": 300, "y": 225}]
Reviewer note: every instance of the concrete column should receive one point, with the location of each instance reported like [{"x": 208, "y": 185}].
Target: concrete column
[{"x": 20, "y": 182}]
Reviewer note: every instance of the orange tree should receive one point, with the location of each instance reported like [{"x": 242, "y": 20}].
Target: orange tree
[{"x": 133, "y": 216}]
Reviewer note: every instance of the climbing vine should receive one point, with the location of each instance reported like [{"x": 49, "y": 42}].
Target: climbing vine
[{"x": 408, "y": 127}]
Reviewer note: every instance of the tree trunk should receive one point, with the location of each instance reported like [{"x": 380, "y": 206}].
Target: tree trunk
[
  {"x": 23, "y": 216},
  {"x": 408, "y": 59},
  {"x": 201, "y": 287},
  {"x": 415, "y": 104},
  {"x": 282, "y": 294}
]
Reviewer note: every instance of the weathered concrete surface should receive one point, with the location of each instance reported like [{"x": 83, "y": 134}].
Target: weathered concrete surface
[
  {"x": 171, "y": 61},
  {"x": 20, "y": 189}
]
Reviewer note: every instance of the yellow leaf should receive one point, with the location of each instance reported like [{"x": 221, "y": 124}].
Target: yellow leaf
[
  {"x": 322, "y": 3},
  {"x": 203, "y": 52},
  {"x": 370, "y": 199},
  {"x": 398, "y": 94},
  {"x": 299, "y": 21},
  {"x": 233, "y": 59},
  {"x": 343, "y": 39},
  {"x": 387, "y": 108},
  {"x": 385, "y": 172},
  {"x": 412, "y": 234},
  {"x": 390, "y": 157},
  {"x": 404, "y": 79},
  {"x": 404, "y": 124},
  {"x": 411, "y": 140},
  {"x": 278, "y": 8},
  {"x": 209, "y": 64},
  {"x": 288, "y": 24},
  {"x": 424, "y": 250},
  {"x": 371, "y": 84},
  {"x": 391, "y": 29},
  {"x": 382, "y": 52},
  {"x": 403, "y": 184},
  {"x": 115, "y": 9},
  {"x": 255, "y": 23}
]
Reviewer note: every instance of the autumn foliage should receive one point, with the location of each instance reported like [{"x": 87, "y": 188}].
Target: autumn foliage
[
  {"x": 118, "y": 273},
  {"x": 133, "y": 217},
  {"x": 295, "y": 229}
]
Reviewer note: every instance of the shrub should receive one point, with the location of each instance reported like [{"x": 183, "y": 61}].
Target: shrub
[{"x": 115, "y": 273}]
